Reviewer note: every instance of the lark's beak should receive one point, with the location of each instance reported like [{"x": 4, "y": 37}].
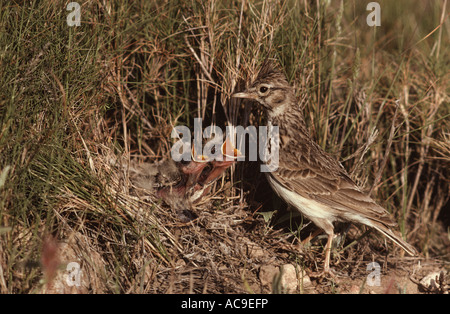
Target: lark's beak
[{"x": 245, "y": 94}]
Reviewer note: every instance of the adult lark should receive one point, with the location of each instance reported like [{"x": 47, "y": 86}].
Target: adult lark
[{"x": 308, "y": 178}]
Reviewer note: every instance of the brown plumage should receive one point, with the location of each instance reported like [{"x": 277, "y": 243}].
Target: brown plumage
[{"x": 308, "y": 178}]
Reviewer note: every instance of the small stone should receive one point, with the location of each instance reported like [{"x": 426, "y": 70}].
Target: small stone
[
  {"x": 285, "y": 279},
  {"x": 267, "y": 274},
  {"x": 431, "y": 281},
  {"x": 289, "y": 280}
]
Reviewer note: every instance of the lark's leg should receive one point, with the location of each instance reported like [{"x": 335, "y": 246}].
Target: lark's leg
[
  {"x": 326, "y": 268},
  {"x": 327, "y": 226}
]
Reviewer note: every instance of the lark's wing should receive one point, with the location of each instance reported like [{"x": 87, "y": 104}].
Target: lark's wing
[{"x": 314, "y": 174}]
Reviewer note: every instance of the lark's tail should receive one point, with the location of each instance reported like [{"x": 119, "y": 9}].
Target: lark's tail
[{"x": 411, "y": 250}]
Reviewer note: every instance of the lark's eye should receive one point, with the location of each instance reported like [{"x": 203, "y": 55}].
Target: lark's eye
[{"x": 263, "y": 89}]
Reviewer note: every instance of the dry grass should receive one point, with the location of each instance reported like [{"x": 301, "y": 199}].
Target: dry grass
[{"x": 81, "y": 107}]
